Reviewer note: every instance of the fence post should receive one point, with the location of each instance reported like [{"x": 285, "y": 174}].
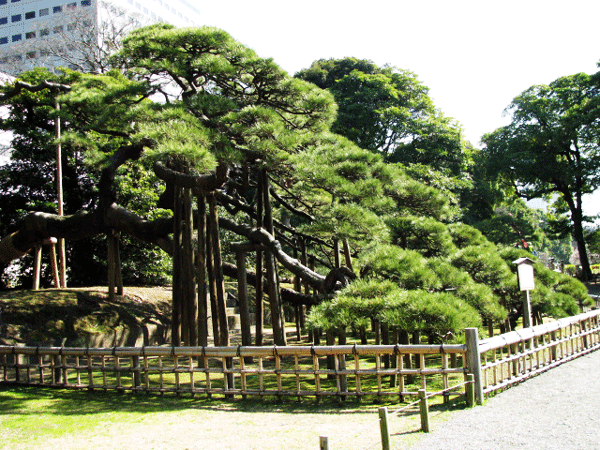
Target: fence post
[
  {"x": 323, "y": 443},
  {"x": 470, "y": 394},
  {"x": 474, "y": 361},
  {"x": 424, "y": 408},
  {"x": 383, "y": 426}
]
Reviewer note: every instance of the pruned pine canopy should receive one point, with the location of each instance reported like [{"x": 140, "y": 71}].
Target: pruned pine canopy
[{"x": 243, "y": 161}]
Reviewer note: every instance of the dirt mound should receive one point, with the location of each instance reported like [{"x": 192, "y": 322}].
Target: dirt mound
[{"x": 85, "y": 316}]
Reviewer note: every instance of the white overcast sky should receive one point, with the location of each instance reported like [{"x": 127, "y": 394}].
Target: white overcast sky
[{"x": 475, "y": 56}]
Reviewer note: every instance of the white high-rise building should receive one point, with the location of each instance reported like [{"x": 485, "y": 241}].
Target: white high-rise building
[
  {"x": 5, "y": 136},
  {"x": 36, "y": 32}
]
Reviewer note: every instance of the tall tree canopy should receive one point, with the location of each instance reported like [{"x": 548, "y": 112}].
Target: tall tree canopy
[
  {"x": 551, "y": 147},
  {"x": 387, "y": 110}
]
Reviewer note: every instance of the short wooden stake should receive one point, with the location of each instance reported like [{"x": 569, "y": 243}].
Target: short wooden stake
[
  {"x": 424, "y": 407},
  {"x": 383, "y": 426},
  {"x": 470, "y": 390},
  {"x": 323, "y": 443}
]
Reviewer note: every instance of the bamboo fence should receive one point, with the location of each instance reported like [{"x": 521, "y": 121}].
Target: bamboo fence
[
  {"x": 302, "y": 371},
  {"x": 359, "y": 370},
  {"x": 513, "y": 357}
]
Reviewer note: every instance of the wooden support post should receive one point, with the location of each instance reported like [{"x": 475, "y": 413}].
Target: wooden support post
[
  {"x": 258, "y": 287},
  {"x": 258, "y": 300},
  {"x": 54, "y": 264},
  {"x": 218, "y": 270},
  {"x": 323, "y": 443},
  {"x": 176, "y": 308},
  {"x": 331, "y": 361},
  {"x": 136, "y": 376},
  {"x": 201, "y": 275},
  {"x": 111, "y": 266},
  {"x": 553, "y": 350},
  {"x": 343, "y": 378},
  {"x": 190, "y": 309},
  {"x": 243, "y": 298},
  {"x": 37, "y": 267},
  {"x": 385, "y": 340},
  {"x": 383, "y": 427},
  {"x": 474, "y": 361},
  {"x": 59, "y": 187},
  {"x": 277, "y": 318},
  {"x": 212, "y": 286},
  {"x": 424, "y": 409},
  {"x": 347, "y": 254}
]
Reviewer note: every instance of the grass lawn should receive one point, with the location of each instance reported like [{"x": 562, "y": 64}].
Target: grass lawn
[{"x": 70, "y": 419}]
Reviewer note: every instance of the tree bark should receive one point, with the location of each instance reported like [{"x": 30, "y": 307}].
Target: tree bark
[
  {"x": 277, "y": 319},
  {"x": 218, "y": 269},
  {"x": 201, "y": 275},
  {"x": 176, "y": 312}
]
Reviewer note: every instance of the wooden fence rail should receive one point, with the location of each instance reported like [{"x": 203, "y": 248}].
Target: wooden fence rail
[
  {"x": 302, "y": 371},
  {"x": 360, "y": 370},
  {"x": 513, "y": 357}
]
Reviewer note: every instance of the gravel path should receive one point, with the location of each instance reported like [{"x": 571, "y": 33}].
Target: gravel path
[{"x": 559, "y": 409}]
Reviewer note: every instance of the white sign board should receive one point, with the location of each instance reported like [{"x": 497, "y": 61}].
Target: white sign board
[{"x": 525, "y": 272}]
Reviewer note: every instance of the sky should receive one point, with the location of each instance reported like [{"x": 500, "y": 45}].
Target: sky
[{"x": 475, "y": 56}]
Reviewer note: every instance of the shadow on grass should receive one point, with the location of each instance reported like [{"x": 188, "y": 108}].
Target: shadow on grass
[{"x": 28, "y": 400}]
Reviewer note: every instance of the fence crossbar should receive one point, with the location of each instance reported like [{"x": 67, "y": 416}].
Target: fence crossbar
[{"x": 302, "y": 371}]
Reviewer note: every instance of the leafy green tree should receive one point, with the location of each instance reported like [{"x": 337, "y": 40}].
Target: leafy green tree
[
  {"x": 240, "y": 133},
  {"x": 551, "y": 146},
  {"x": 387, "y": 110},
  {"x": 27, "y": 183}
]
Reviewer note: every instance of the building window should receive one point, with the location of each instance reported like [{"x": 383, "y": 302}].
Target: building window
[
  {"x": 44, "y": 12},
  {"x": 30, "y": 35},
  {"x": 58, "y": 29},
  {"x": 14, "y": 1},
  {"x": 44, "y": 52},
  {"x": 3, "y": 20},
  {"x": 72, "y": 5},
  {"x": 4, "y": 40},
  {"x": 44, "y": 32},
  {"x": 138, "y": 6},
  {"x": 71, "y": 27},
  {"x": 17, "y": 37},
  {"x": 16, "y": 18},
  {"x": 17, "y": 58},
  {"x": 57, "y": 9},
  {"x": 86, "y": 3},
  {"x": 30, "y": 55},
  {"x": 4, "y": 59},
  {"x": 3, "y": 2},
  {"x": 30, "y": 15}
]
